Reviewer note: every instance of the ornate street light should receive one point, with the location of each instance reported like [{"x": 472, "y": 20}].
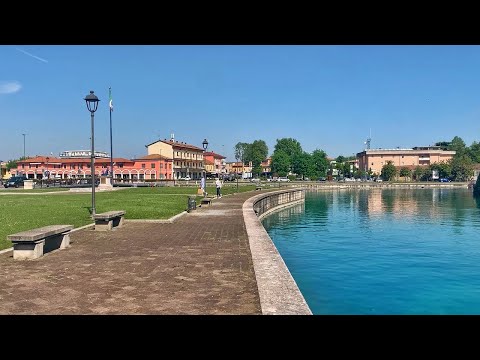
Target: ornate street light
[
  {"x": 205, "y": 146},
  {"x": 92, "y": 106}
]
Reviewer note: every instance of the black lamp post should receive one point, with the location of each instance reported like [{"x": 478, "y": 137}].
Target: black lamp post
[
  {"x": 92, "y": 106},
  {"x": 205, "y": 146}
]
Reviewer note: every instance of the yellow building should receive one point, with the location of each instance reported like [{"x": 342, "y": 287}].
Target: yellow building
[{"x": 187, "y": 159}]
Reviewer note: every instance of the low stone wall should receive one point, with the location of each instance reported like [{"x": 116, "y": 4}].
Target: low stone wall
[{"x": 278, "y": 291}]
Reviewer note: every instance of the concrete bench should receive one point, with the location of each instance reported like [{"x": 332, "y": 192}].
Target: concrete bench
[
  {"x": 32, "y": 244},
  {"x": 207, "y": 201},
  {"x": 108, "y": 220}
]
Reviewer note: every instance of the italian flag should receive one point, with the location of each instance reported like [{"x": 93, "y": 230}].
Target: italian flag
[{"x": 110, "y": 103}]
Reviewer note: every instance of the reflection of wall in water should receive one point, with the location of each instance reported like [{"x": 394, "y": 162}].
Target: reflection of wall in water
[{"x": 298, "y": 209}]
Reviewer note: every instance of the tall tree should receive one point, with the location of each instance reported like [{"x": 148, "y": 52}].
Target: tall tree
[
  {"x": 319, "y": 163},
  {"x": 404, "y": 172},
  {"x": 258, "y": 153},
  {"x": 280, "y": 163},
  {"x": 458, "y": 145},
  {"x": 289, "y": 146},
  {"x": 389, "y": 171},
  {"x": 474, "y": 152},
  {"x": 240, "y": 150},
  {"x": 462, "y": 168},
  {"x": 301, "y": 164},
  {"x": 443, "y": 144}
]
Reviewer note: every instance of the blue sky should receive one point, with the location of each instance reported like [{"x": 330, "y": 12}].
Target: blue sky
[{"x": 326, "y": 97}]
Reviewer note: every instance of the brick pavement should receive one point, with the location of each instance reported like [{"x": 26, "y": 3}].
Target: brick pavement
[{"x": 200, "y": 264}]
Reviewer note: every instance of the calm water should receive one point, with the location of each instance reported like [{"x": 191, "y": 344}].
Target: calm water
[{"x": 383, "y": 251}]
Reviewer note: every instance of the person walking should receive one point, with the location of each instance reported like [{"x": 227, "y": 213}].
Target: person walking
[{"x": 218, "y": 185}]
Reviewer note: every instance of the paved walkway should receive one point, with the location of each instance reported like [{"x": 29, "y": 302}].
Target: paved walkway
[{"x": 200, "y": 264}]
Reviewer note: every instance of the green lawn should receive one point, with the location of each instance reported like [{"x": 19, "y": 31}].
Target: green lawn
[
  {"x": 25, "y": 212},
  {"x": 40, "y": 190}
]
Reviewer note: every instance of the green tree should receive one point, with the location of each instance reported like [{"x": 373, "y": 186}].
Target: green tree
[
  {"x": 258, "y": 152},
  {"x": 340, "y": 159},
  {"x": 444, "y": 169},
  {"x": 389, "y": 171},
  {"x": 289, "y": 146},
  {"x": 443, "y": 144},
  {"x": 292, "y": 149},
  {"x": 458, "y": 145},
  {"x": 462, "y": 167},
  {"x": 240, "y": 149},
  {"x": 301, "y": 164},
  {"x": 319, "y": 163},
  {"x": 404, "y": 172},
  {"x": 11, "y": 164},
  {"x": 280, "y": 163},
  {"x": 474, "y": 152}
]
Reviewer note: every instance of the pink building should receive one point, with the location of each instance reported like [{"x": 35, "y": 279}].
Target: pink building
[{"x": 218, "y": 162}]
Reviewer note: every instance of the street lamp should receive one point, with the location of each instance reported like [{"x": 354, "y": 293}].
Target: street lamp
[
  {"x": 92, "y": 105},
  {"x": 205, "y": 146},
  {"x": 24, "y": 146},
  {"x": 236, "y": 170}
]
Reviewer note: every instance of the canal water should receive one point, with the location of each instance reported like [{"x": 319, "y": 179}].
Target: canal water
[{"x": 383, "y": 251}]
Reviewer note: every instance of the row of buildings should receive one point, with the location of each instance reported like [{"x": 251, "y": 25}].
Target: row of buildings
[
  {"x": 172, "y": 159},
  {"x": 165, "y": 160}
]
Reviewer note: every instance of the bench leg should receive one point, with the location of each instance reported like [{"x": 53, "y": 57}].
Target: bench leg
[
  {"x": 65, "y": 241},
  {"x": 28, "y": 251},
  {"x": 101, "y": 225},
  {"x": 117, "y": 222}
]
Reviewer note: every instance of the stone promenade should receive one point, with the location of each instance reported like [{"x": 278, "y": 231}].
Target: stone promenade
[{"x": 200, "y": 264}]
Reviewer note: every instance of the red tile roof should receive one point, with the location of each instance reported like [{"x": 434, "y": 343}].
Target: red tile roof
[
  {"x": 215, "y": 155},
  {"x": 153, "y": 157},
  {"x": 178, "y": 145}
]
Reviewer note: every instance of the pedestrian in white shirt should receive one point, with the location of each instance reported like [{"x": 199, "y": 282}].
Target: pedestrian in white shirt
[{"x": 218, "y": 185}]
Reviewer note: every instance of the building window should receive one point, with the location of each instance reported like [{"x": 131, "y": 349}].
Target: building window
[
  {"x": 372, "y": 163},
  {"x": 403, "y": 156},
  {"x": 161, "y": 165},
  {"x": 143, "y": 166},
  {"x": 152, "y": 165},
  {"x": 152, "y": 176},
  {"x": 170, "y": 166},
  {"x": 120, "y": 165},
  {"x": 23, "y": 166}
]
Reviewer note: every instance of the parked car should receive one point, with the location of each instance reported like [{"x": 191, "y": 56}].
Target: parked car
[
  {"x": 444, "y": 180},
  {"x": 186, "y": 178},
  {"x": 15, "y": 181},
  {"x": 283, "y": 178}
]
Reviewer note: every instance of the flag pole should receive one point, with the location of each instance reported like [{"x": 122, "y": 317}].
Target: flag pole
[{"x": 111, "y": 143}]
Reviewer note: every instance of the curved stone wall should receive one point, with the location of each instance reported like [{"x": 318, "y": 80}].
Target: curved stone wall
[{"x": 278, "y": 291}]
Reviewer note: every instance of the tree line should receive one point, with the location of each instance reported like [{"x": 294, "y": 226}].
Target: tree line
[{"x": 288, "y": 157}]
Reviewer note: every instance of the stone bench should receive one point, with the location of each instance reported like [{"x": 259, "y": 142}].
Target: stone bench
[
  {"x": 108, "y": 220},
  {"x": 207, "y": 201},
  {"x": 32, "y": 244}
]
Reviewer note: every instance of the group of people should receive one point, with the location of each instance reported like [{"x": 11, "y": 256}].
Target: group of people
[{"x": 218, "y": 185}]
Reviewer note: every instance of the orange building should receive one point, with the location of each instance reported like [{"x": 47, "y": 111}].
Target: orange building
[
  {"x": 187, "y": 160},
  {"x": 374, "y": 159}
]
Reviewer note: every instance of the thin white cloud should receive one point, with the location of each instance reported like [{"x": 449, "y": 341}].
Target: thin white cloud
[
  {"x": 9, "y": 87},
  {"x": 31, "y": 55}
]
